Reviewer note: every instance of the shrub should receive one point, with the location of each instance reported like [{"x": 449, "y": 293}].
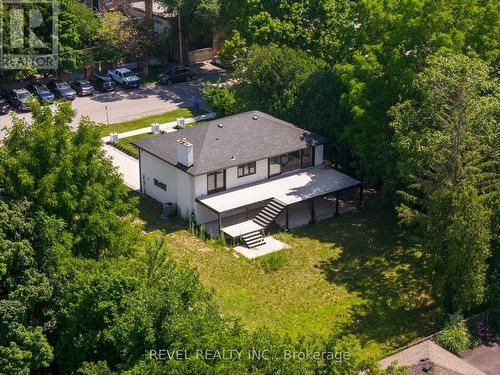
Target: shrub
[
  {"x": 273, "y": 262},
  {"x": 455, "y": 336}
]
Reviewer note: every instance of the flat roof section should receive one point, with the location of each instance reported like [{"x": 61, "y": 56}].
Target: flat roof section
[{"x": 289, "y": 188}]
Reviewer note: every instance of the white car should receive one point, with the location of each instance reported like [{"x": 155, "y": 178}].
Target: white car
[{"x": 124, "y": 77}]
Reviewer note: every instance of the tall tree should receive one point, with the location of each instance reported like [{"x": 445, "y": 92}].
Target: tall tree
[
  {"x": 66, "y": 174},
  {"x": 446, "y": 142}
]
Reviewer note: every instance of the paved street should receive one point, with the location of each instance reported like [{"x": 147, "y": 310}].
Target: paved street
[{"x": 126, "y": 105}]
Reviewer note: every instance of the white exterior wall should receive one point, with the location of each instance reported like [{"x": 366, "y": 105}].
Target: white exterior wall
[
  {"x": 260, "y": 174},
  {"x": 183, "y": 188},
  {"x": 318, "y": 155},
  {"x": 179, "y": 184}
]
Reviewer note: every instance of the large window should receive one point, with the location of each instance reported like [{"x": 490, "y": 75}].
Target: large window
[
  {"x": 290, "y": 161},
  {"x": 274, "y": 166},
  {"x": 306, "y": 158},
  {"x": 246, "y": 169},
  {"x": 216, "y": 181}
]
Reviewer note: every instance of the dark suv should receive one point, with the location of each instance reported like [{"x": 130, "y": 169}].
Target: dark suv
[
  {"x": 61, "y": 89},
  {"x": 41, "y": 92},
  {"x": 177, "y": 74},
  {"x": 102, "y": 83},
  {"x": 82, "y": 87}
]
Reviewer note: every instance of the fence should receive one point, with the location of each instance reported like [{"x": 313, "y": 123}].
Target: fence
[{"x": 198, "y": 55}]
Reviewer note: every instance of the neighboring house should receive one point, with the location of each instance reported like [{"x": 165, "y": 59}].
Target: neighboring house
[
  {"x": 240, "y": 173},
  {"x": 161, "y": 17},
  {"x": 429, "y": 358}
]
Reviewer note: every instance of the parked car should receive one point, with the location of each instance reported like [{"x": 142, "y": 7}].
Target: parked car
[
  {"x": 82, "y": 87},
  {"x": 217, "y": 61},
  {"x": 124, "y": 77},
  {"x": 40, "y": 91},
  {"x": 177, "y": 74},
  {"x": 19, "y": 98},
  {"x": 61, "y": 89},
  {"x": 102, "y": 83},
  {"x": 4, "y": 106}
]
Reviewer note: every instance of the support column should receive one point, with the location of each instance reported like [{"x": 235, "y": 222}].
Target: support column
[
  {"x": 337, "y": 196},
  {"x": 313, "y": 212},
  {"x": 246, "y": 213},
  {"x": 360, "y": 204},
  {"x": 286, "y": 217},
  {"x": 219, "y": 222}
]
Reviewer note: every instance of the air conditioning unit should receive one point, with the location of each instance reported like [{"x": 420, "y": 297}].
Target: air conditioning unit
[
  {"x": 155, "y": 128},
  {"x": 180, "y": 122},
  {"x": 113, "y": 137}
]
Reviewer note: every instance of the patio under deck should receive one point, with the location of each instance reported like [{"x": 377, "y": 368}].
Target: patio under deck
[{"x": 306, "y": 185}]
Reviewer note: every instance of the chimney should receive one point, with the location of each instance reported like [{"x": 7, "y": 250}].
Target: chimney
[{"x": 184, "y": 152}]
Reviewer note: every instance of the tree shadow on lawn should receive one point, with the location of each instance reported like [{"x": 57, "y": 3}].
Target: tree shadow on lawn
[{"x": 383, "y": 267}]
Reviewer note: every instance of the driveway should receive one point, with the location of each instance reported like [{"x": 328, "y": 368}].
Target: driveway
[{"x": 123, "y": 105}]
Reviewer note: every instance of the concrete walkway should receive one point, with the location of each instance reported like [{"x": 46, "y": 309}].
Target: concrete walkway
[
  {"x": 167, "y": 127},
  {"x": 127, "y": 166}
]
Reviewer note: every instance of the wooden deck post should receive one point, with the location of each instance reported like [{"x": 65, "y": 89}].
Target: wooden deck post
[
  {"x": 337, "y": 196},
  {"x": 286, "y": 217},
  {"x": 360, "y": 203},
  {"x": 313, "y": 212},
  {"x": 219, "y": 221},
  {"x": 246, "y": 213}
]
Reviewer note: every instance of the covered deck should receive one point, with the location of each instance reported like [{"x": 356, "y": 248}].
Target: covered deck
[{"x": 299, "y": 188}]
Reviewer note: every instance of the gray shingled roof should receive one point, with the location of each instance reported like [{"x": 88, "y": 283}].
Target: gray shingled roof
[
  {"x": 231, "y": 141},
  {"x": 427, "y": 353}
]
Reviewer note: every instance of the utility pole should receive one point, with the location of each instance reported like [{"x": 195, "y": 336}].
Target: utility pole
[{"x": 180, "y": 37}]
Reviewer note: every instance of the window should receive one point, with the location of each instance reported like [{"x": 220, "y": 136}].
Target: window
[
  {"x": 246, "y": 169},
  {"x": 290, "y": 161},
  {"x": 216, "y": 181},
  {"x": 161, "y": 185},
  {"x": 306, "y": 158},
  {"x": 274, "y": 166}
]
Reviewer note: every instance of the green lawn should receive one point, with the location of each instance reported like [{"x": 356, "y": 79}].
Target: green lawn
[
  {"x": 146, "y": 121},
  {"x": 356, "y": 274}
]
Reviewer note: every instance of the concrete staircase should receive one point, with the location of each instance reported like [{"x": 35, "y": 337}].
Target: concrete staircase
[
  {"x": 269, "y": 213},
  {"x": 263, "y": 218},
  {"x": 253, "y": 239}
]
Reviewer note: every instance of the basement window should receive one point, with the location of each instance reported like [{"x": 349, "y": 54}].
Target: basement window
[
  {"x": 160, "y": 184},
  {"x": 246, "y": 169}
]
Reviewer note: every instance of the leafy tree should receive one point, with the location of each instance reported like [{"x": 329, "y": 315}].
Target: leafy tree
[
  {"x": 445, "y": 142},
  {"x": 112, "y": 37},
  {"x": 66, "y": 174},
  {"x": 31, "y": 247}
]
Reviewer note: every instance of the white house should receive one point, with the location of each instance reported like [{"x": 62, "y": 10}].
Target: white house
[{"x": 241, "y": 173}]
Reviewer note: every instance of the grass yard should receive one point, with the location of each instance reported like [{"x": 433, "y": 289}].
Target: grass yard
[
  {"x": 355, "y": 274},
  {"x": 146, "y": 121}
]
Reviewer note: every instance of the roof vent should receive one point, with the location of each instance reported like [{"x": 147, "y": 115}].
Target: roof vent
[
  {"x": 232, "y": 157},
  {"x": 220, "y": 125},
  {"x": 255, "y": 117}
]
